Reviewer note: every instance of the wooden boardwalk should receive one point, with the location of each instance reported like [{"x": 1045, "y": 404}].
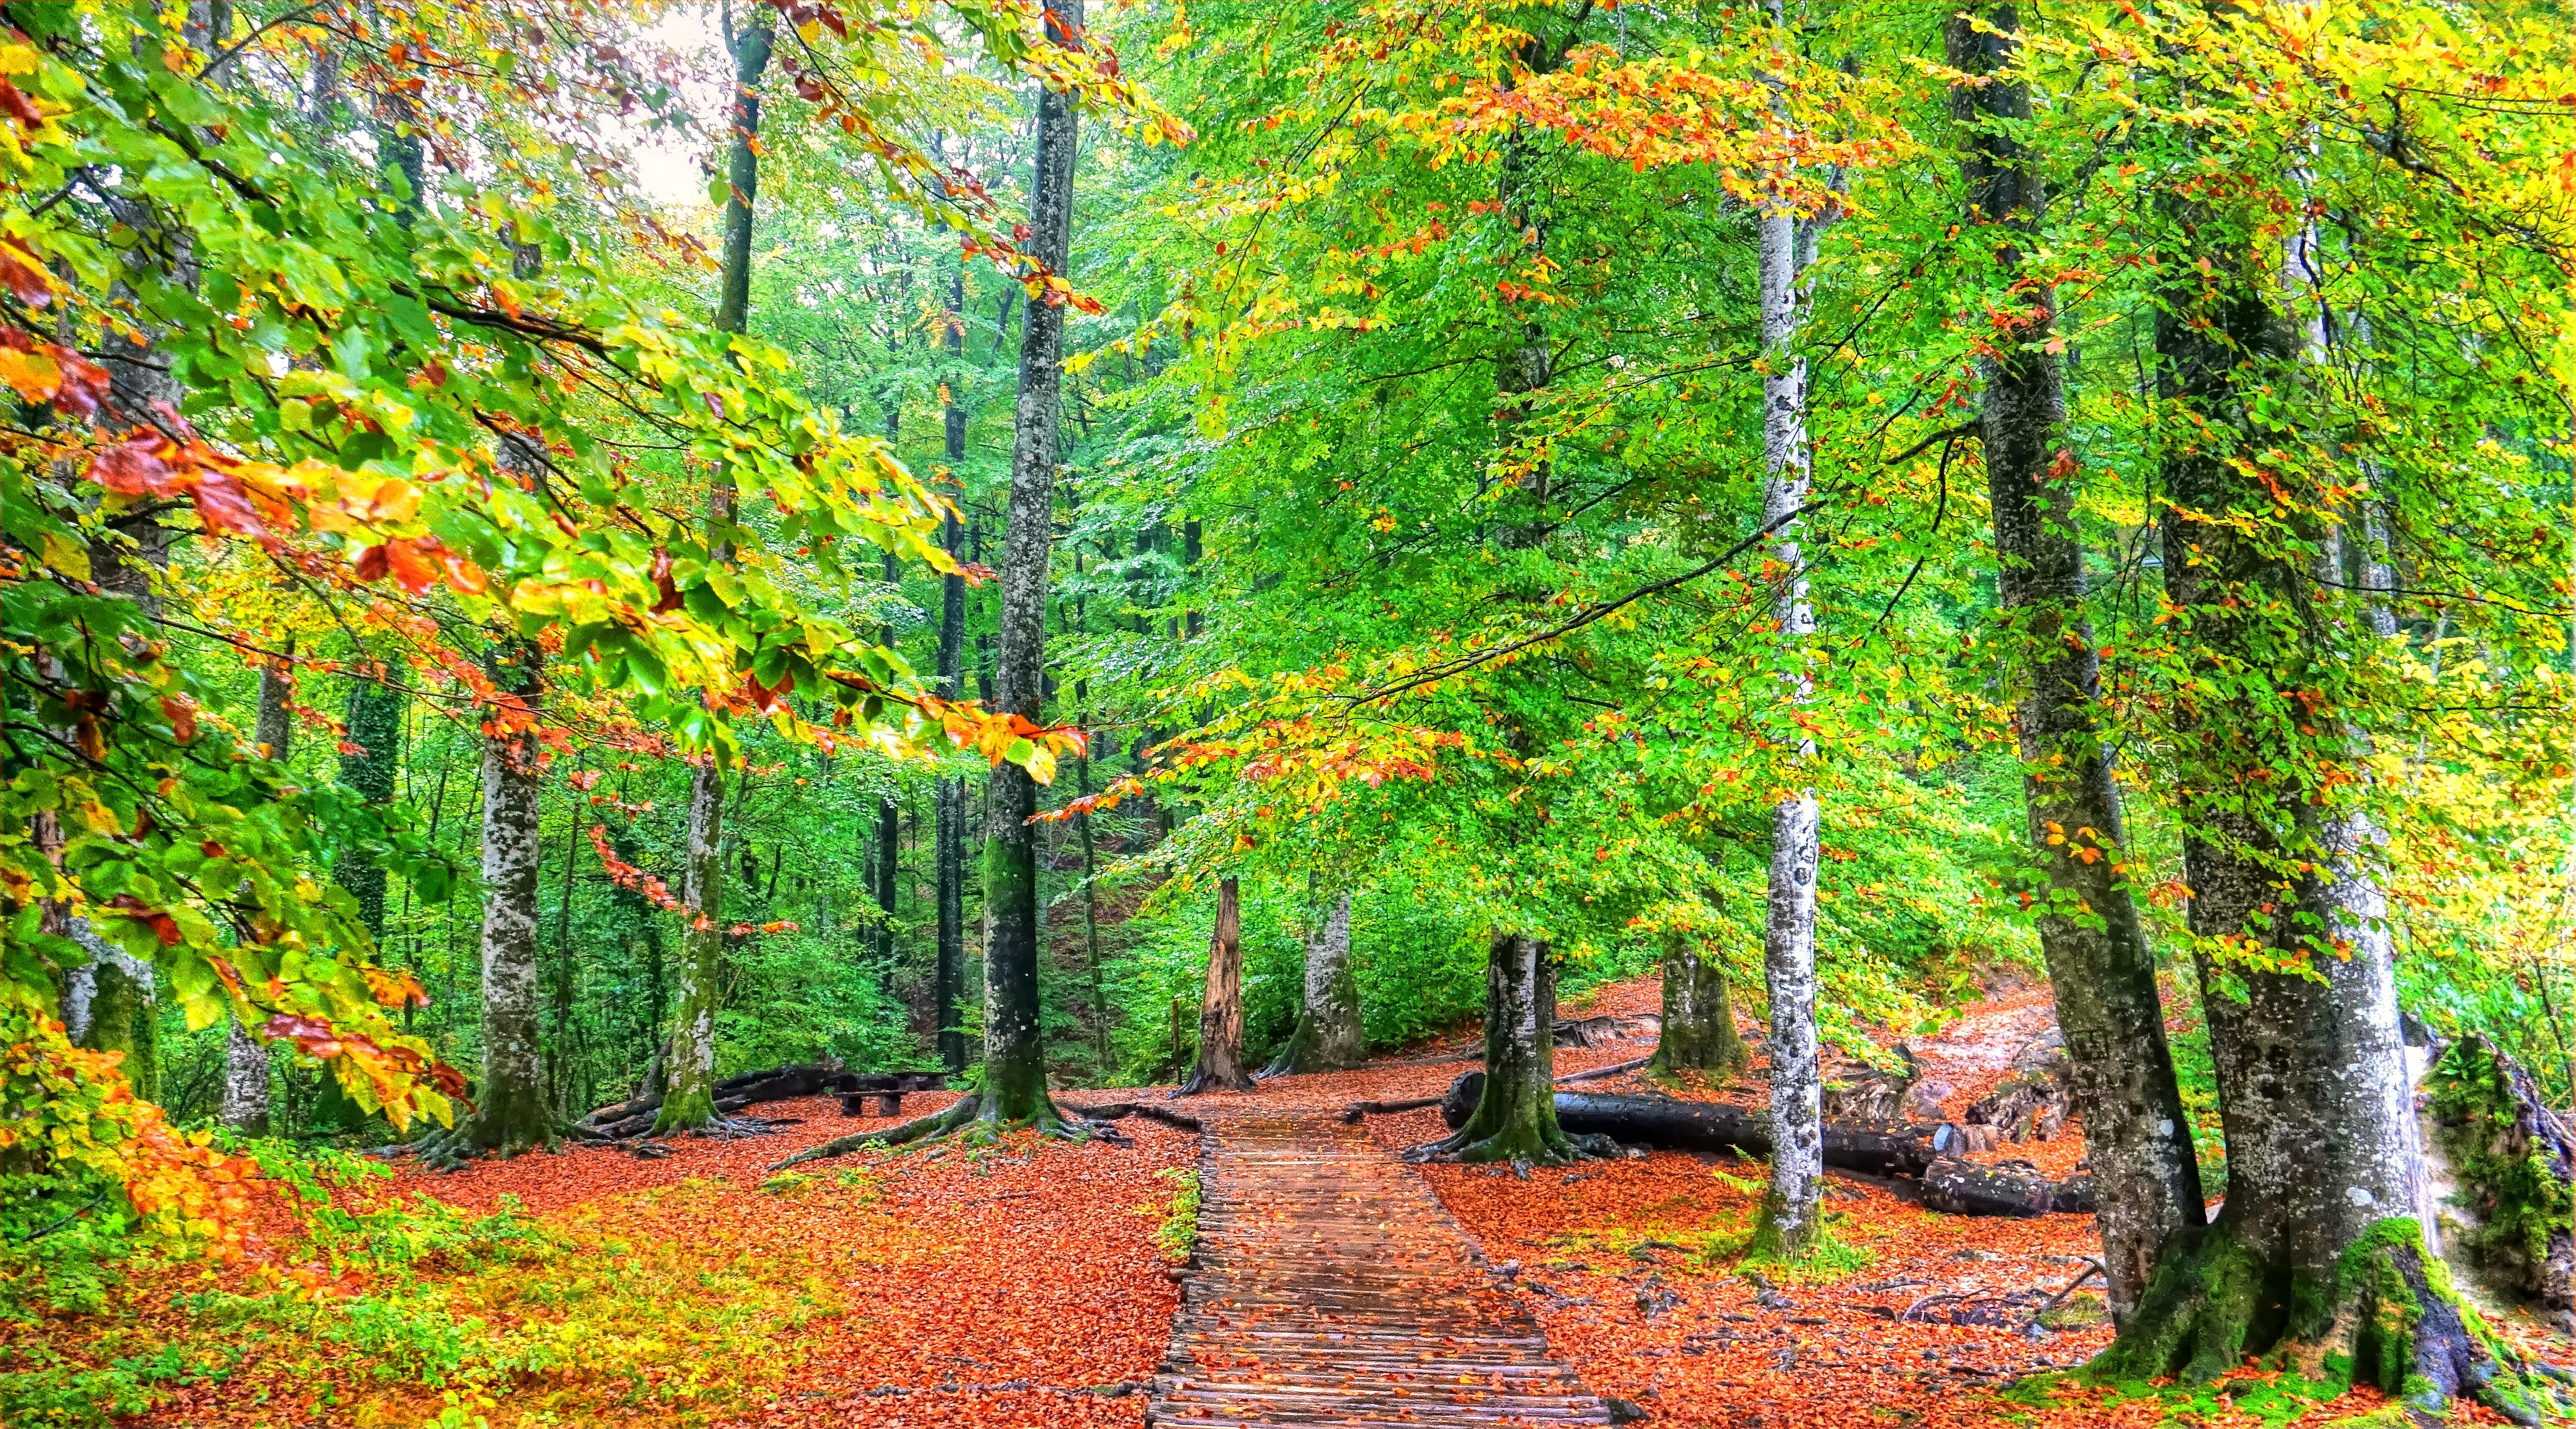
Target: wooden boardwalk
[{"x": 1334, "y": 1289}]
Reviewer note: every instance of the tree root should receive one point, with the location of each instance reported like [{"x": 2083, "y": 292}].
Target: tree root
[
  {"x": 453, "y": 1148},
  {"x": 971, "y": 1119},
  {"x": 1521, "y": 1148},
  {"x": 2390, "y": 1320}
]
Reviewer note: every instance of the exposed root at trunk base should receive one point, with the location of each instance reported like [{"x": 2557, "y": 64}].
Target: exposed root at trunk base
[
  {"x": 2390, "y": 1320},
  {"x": 455, "y": 1147},
  {"x": 1510, "y": 1122},
  {"x": 974, "y": 1118}
]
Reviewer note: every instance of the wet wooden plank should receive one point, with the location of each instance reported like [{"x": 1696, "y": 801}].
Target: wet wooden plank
[{"x": 1333, "y": 1289}]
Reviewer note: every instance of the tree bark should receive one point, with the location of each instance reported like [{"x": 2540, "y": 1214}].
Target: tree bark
[
  {"x": 245, "y": 1106},
  {"x": 1515, "y": 1117},
  {"x": 2318, "y": 1251},
  {"x": 510, "y": 1113},
  {"x": 2101, "y": 969},
  {"x": 948, "y": 839},
  {"x": 692, "y": 1069},
  {"x": 1014, "y": 1049},
  {"x": 1328, "y": 1036},
  {"x": 1220, "y": 1064},
  {"x": 1698, "y": 1032},
  {"x": 110, "y": 1004},
  {"x": 1789, "y": 1212},
  {"x": 1101, "y": 1055}
]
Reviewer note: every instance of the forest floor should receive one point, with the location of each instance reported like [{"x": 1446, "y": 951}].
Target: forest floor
[{"x": 1030, "y": 1283}]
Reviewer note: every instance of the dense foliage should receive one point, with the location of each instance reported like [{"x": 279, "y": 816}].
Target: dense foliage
[{"x": 1408, "y": 535}]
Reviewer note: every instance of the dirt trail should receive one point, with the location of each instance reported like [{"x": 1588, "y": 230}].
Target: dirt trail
[{"x": 1334, "y": 1289}]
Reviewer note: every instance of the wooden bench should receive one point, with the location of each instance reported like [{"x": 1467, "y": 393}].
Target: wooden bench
[
  {"x": 888, "y": 1103},
  {"x": 885, "y": 1090}
]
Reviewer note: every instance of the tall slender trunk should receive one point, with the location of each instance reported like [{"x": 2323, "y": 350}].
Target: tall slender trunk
[
  {"x": 510, "y": 1113},
  {"x": 2100, "y": 967},
  {"x": 690, "y": 1100},
  {"x": 1328, "y": 1035},
  {"x": 1789, "y": 1211},
  {"x": 559, "y": 1063},
  {"x": 948, "y": 843},
  {"x": 1220, "y": 1064},
  {"x": 1091, "y": 917},
  {"x": 2319, "y": 1250},
  {"x": 1014, "y": 1048},
  {"x": 246, "y": 1062}
]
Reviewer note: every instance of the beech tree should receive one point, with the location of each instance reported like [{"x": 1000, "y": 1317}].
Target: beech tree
[
  {"x": 2100, "y": 967},
  {"x": 689, "y": 1102}
]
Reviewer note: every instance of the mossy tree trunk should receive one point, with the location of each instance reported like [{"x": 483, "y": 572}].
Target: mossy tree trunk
[
  {"x": 2317, "y": 1257},
  {"x": 1220, "y": 1064},
  {"x": 109, "y": 1005},
  {"x": 689, "y": 1101},
  {"x": 1328, "y": 1035},
  {"x": 1698, "y": 1032},
  {"x": 948, "y": 834},
  {"x": 1515, "y": 1117},
  {"x": 2100, "y": 968},
  {"x": 1015, "y": 1089}
]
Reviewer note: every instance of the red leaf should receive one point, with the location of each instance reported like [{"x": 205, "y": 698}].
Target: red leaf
[
  {"x": 183, "y": 716},
  {"x": 163, "y": 926},
  {"x": 415, "y": 563},
  {"x": 24, "y": 276},
  {"x": 372, "y": 563},
  {"x": 224, "y": 506},
  {"x": 84, "y": 384},
  {"x": 19, "y": 107},
  {"x": 662, "y": 582},
  {"x": 133, "y": 467}
]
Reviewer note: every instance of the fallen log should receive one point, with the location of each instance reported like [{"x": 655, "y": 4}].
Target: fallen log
[
  {"x": 635, "y": 1117},
  {"x": 1967, "y": 1189},
  {"x": 1879, "y": 1149},
  {"x": 1899, "y": 1148}
]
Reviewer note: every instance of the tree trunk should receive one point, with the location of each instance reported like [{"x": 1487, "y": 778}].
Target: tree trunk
[
  {"x": 1515, "y": 1115},
  {"x": 109, "y": 1005},
  {"x": 1698, "y": 1032},
  {"x": 246, "y": 1059},
  {"x": 1328, "y": 1035},
  {"x": 1789, "y": 1212},
  {"x": 510, "y": 1113},
  {"x": 889, "y": 875},
  {"x": 1014, "y": 1049},
  {"x": 1101, "y": 1055},
  {"x": 375, "y": 719},
  {"x": 948, "y": 838},
  {"x": 1220, "y": 1065},
  {"x": 2318, "y": 1253},
  {"x": 2101, "y": 970},
  {"x": 691, "y": 1102}
]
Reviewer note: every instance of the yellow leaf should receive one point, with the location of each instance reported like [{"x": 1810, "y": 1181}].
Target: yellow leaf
[
  {"x": 33, "y": 375},
  {"x": 69, "y": 557}
]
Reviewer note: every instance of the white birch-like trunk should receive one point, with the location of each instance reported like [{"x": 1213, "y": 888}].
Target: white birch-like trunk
[
  {"x": 1789, "y": 938},
  {"x": 2381, "y": 1140}
]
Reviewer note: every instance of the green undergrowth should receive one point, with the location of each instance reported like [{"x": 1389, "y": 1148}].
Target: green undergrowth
[
  {"x": 1178, "y": 1235},
  {"x": 2262, "y": 1399},
  {"x": 670, "y": 1302},
  {"x": 1721, "y": 1240}
]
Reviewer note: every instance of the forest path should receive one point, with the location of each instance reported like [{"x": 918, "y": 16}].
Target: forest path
[{"x": 1335, "y": 1289}]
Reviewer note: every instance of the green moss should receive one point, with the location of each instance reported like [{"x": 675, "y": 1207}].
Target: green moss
[
  {"x": 685, "y": 1111},
  {"x": 2519, "y": 1199}
]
